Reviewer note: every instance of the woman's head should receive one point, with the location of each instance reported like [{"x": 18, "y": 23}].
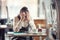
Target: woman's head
[
  {"x": 24, "y": 12},
  {"x": 24, "y": 9}
]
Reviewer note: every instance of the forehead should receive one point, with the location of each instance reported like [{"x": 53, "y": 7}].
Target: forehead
[{"x": 24, "y": 12}]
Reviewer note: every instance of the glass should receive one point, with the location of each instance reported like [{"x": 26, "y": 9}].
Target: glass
[{"x": 39, "y": 30}]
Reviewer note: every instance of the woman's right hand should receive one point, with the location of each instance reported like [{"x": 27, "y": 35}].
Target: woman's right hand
[{"x": 22, "y": 18}]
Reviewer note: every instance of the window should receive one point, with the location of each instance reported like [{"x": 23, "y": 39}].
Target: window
[{"x": 14, "y": 7}]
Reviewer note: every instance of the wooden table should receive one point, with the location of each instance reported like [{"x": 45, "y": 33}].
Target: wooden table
[{"x": 12, "y": 34}]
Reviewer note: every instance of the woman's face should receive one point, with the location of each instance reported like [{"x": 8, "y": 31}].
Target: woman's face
[{"x": 24, "y": 15}]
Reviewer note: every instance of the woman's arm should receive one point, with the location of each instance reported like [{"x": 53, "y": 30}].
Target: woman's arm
[
  {"x": 16, "y": 25},
  {"x": 32, "y": 26}
]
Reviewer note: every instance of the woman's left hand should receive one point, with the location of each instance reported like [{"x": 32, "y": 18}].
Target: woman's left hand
[{"x": 28, "y": 16}]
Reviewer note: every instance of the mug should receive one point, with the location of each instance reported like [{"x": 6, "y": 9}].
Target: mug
[{"x": 35, "y": 30}]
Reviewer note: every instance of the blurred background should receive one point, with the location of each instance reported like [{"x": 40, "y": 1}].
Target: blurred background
[
  {"x": 39, "y": 9},
  {"x": 43, "y": 12}
]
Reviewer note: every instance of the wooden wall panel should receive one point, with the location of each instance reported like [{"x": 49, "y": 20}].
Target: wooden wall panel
[{"x": 40, "y": 21}]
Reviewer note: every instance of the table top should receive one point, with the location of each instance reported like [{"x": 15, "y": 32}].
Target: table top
[
  {"x": 25, "y": 34},
  {"x": 3, "y": 26}
]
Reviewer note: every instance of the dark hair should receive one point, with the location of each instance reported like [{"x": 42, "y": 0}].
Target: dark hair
[{"x": 24, "y": 9}]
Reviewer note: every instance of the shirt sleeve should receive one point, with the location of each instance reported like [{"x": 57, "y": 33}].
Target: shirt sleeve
[
  {"x": 32, "y": 26},
  {"x": 16, "y": 25}
]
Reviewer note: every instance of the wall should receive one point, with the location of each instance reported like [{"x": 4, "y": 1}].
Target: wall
[
  {"x": 14, "y": 7},
  {"x": 3, "y": 9}
]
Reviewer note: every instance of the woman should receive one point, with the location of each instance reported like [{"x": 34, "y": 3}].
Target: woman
[{"x": 23, "y": 23}]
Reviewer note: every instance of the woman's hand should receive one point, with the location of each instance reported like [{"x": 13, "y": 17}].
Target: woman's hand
[
  {"x": 22, "y": 18},
  {"x": 28, "y": 17},
  {"x": 25, "y": 17}
]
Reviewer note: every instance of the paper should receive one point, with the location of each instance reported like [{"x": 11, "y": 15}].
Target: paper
[{"x": 19, "y": 33}]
